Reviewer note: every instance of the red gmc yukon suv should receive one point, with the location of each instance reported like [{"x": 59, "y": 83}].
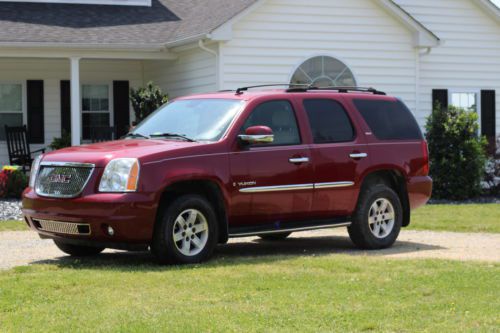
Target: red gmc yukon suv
[{"x": 204, "y": 168}]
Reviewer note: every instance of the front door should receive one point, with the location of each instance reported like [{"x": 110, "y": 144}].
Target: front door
[
  {"x": 339, "y": 155},
  {"x": 272, "y": 183}
]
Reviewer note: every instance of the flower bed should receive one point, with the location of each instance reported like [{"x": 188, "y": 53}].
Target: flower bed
[{"x": 13, "y": 181}]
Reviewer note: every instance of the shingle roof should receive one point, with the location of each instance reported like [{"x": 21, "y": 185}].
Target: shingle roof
[{"x": 166, "y": 21}]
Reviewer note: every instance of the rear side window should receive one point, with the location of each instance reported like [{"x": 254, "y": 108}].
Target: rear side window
[
  {"x": 329, "y": 121},
  {"x": 389, "y": 120},
  {"x": 280, "y": 117}
]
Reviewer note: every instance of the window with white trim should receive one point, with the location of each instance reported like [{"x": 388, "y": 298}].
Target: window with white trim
[
  {"x": 464, "y": 100},
  {"x": 11, "y": 106},
  {"x": 468, "y": 100},
  {"x": 96, "y": 111},
  {"x": 323, "y": 71}
]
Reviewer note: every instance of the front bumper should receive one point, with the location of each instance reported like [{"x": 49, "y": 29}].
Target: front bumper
[{"x": 131, "y": 215}]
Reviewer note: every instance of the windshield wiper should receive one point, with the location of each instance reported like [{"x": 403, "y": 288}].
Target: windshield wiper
[
  {"x": 172, "y": 135},
  {"x": 136, "y": 135}
]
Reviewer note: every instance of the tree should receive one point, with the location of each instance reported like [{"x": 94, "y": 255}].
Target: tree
[{"x": 147, "y": 99}]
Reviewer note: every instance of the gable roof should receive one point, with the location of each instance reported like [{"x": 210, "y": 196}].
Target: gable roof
[{"x": 166, "y": 21}]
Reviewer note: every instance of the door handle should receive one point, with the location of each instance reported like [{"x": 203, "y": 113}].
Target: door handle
[
  {"x": 298, "y": 160},
  {"x": 358, "y": 155}
]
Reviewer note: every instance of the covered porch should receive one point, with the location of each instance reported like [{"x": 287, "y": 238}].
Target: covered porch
[{"x": 75, "y": 91}]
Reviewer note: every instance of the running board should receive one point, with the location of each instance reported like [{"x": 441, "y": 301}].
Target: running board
[{"x": 287, "y": 227}]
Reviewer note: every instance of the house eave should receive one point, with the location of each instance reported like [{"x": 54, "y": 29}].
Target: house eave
[
  {"x": 490, "y": 8},
  {"x": 89, "y": 51}
]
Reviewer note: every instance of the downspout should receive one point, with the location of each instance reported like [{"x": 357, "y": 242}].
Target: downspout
[
  {"x": 418, "y": 57},
  {"x": 202, "y": 46}
]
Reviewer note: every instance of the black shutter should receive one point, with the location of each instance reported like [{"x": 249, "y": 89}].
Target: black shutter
[
  {"x": 65, "y": 107},
  {"x": 121, "y": 106},
  {"x": 35, "y": 111},
  {"x": 440, "y": 96},
  {"x": 488, "y": 125}
]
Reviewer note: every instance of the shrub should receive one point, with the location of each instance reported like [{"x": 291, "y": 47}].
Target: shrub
[
  {"x": 457, "y": 153},
  {"x": 147, "y": 99},
  {"x": 62, "y": 142},
  {"x": 492, "y": 172},
  {"x": 12, "y": 183}
]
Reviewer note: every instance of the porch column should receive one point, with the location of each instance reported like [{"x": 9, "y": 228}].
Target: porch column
[{"x": 76, "y": 119}]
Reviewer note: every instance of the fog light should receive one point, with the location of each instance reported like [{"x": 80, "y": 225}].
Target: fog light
[{"x": 111, "y": 231}]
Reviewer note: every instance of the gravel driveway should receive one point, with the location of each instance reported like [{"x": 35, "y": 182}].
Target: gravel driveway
[{"x": 24, "y": 247}]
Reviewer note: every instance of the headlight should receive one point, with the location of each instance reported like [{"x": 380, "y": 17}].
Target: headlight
[
  {"x": 120, "y": 175},
  {"x": 35, "y": 166}
]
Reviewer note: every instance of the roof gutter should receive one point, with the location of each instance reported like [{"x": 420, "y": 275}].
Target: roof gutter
[{"x": 87, "y": 46}]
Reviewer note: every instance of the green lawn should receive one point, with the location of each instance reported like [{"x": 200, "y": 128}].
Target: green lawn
[
  {"x": 460, "y": 218},
  {"x": 127, "y": 293},
  {"x": 13, "y": 226}
]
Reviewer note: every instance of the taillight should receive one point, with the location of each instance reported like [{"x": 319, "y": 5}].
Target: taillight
[{"x": 425, "y": 154}]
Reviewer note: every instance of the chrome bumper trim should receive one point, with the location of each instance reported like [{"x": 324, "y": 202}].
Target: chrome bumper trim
[{"x": 60, "y": 227}]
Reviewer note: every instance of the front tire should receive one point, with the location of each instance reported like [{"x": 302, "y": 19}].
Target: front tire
[
  {"x": 187, "y": 232},
  {"x": 78, "y": 250},
  {"x": 378, "y": 218}
]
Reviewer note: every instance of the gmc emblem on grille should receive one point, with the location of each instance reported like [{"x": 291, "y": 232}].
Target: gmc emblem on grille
[{"x": 61, "y": 179}]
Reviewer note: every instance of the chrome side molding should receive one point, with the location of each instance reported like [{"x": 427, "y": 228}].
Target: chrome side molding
[
  {"x": 295, "y": 187},
  {"x": 277, "y": 188},
  {"x": 333, "y": 185}
]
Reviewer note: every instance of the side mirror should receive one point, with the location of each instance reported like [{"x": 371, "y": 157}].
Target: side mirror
[{"x": 257, "y": 135}]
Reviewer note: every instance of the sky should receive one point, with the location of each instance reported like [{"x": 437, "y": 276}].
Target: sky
[{"x": 497, "y": 2}]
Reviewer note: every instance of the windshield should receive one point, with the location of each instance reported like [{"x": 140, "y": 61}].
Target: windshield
[{"x": 196, "y": 119}]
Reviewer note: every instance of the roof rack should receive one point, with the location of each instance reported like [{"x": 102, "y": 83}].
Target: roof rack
[
  {"x": 307, "y": 87},
  {"x": 242, "y": 89},
  {"x": 339, "y": 89}
]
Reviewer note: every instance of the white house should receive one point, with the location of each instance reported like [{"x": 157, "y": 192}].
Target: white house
[{"x": 68, "y": 64}]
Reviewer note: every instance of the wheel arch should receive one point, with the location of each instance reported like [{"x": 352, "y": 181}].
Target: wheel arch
[
  {"x": 395, "y": 179},
  {"x": 210, "y": 189}
]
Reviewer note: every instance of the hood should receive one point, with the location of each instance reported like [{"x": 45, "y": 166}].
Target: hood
[{"x": 101, "y": 153}]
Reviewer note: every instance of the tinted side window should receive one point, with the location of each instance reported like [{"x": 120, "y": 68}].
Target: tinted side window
[
  {"x": 389, "y": 120},
  {"x": 280, "y": 117},
  {"x": 329, "y": 121}
]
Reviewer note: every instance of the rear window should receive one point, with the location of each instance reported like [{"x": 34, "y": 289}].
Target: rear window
[{"x": 389, "y": 120}]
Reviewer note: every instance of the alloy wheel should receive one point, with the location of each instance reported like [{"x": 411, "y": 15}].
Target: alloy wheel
[
  {"x": 190, "y": 232},
  {"x": 381, "y": 218}
]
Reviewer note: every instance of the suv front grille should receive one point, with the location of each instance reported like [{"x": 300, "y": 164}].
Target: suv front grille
[{"x": 62, "y": 180}]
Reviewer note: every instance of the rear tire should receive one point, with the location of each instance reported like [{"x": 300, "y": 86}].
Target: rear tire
[
  {"x": 275, "y": 237},
  {"x": 378, "y": 218},
  {"x": 187, "y": 232},
  {"x": 78, "y": 250}
]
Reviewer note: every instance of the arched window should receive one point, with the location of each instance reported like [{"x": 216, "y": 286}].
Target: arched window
[{"x": 323, "y": 71}]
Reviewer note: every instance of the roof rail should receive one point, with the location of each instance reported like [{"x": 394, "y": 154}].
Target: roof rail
[
  {"x": 306, "y": 87},
  {"x": 239, "y": 91},
  {"x": 339, "y": 89}
]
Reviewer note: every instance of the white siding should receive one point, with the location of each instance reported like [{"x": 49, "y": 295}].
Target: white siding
[
  {"x": 52, "y": 72},
  {"x": 470, "y": 55},
  {"x": 195, "y": 71},
  {"x": 271, "y": 42}
]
